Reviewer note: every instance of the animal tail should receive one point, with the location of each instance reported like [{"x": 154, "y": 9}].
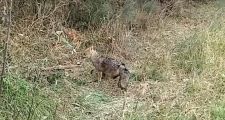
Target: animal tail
[{"x": 124, "y": 77}]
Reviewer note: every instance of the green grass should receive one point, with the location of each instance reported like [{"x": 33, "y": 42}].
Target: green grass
[
  {"x": 22, "y": 100},
  {"x": 89, "y": 104},
  {"x": 217, "y": 111},
  {"x": 156, "y": 74},
  {"x": 181, "y": 57},
  {"x": 189, "y": 54}
]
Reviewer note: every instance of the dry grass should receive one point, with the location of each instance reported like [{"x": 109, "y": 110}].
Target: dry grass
[{"x": 177, "y": 65}]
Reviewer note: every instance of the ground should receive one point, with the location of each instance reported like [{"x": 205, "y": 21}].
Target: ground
[
  {"x": 177, "y": 68},
  {"x": 171, "y": 92}
]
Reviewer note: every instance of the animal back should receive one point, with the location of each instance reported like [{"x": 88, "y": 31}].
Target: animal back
[{"x": 111, "y": 67}]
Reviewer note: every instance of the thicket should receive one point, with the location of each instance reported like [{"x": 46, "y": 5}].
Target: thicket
[
  {"x": 34, "y": 44},
  {"x": 83, "y": 14}
]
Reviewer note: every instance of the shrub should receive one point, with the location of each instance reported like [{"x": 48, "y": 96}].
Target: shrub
[{"x": 21, "y": 100}]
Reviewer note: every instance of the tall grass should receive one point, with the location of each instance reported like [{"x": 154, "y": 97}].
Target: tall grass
[
  {"x": 217, "y": 111},
  {"x": 22, "y": 100},
  {"x": 159, "y": 54},
  {"x": 189, "y": 54}
]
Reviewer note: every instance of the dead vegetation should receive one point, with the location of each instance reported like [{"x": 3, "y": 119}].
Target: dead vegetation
[{"x": 174, "y": 51}]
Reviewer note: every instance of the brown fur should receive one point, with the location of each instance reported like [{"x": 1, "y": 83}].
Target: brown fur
[
  {"x": 124, "y": 78},
  {"x": 109, "y": 67}
]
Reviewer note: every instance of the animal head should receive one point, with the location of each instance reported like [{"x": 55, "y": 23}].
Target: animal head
[{"x": 90, "y": 52}]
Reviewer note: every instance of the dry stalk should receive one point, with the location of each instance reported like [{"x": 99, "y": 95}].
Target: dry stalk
[
  {"x": 61, "y": 67},
  {"x": 124, "y": 105},
  {"x": 6, "y": 41}
]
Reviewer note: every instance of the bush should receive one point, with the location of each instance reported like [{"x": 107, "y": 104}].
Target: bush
[
  {"x": 22, "y": 100},
  {"x": 90, "y": 12}
]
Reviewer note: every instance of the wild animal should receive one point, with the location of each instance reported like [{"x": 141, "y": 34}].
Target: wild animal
[{"x": 108, "y": 67}]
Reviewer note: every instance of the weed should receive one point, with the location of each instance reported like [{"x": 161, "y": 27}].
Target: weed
[
  {"x": 89, "y": 104},
  {"x": 217, "y": 111},
  {"x": 137, "y": 32},
  {"x": 189, "y": 54},
  {"x": 21, "y": 100},
  {"x": 155, "y": 74},
  {"x": 192, "y": 87},
  {"x": 96, "y": 98},
  {"x": 135, "y": 77},
  {"x": 80, "y": 82}
]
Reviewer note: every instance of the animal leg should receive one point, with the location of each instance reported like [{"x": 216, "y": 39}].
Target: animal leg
[
  {"x": 123, "y": 82},
  {"x": 99, "y": 78},
  {"x": 92, "y": 71},
  {"x": 103, "y": 75},
  {"x": 114, "y": 77}
]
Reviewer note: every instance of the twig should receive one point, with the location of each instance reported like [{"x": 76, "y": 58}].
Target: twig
[
  {"x": 60, "y": 67},
  {"x": 6, "y": 45},
  {"x": 48, "y": 15}
]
